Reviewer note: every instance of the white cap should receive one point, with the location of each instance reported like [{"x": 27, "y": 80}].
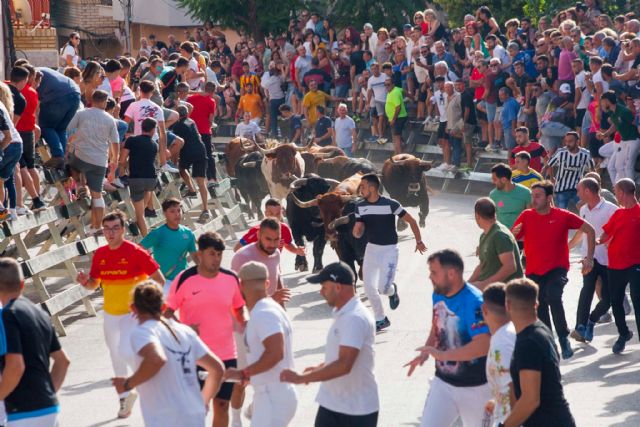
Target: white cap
[
  {"x": 368, "y": 25},
  {"x": 565, "y": 88}
]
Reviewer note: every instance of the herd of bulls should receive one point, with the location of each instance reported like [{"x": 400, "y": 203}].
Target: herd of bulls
[{"x": 320, "y": 185}]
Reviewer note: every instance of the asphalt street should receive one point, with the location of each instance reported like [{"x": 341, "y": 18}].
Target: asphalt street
[{"x": 602, "y": 388}]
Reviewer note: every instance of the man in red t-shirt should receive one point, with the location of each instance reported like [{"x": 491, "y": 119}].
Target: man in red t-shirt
[
  {"x": 622, "y": 234},
  {"x": 203, "y": 113},
  {"x": 272, "y": 209},
  {"x": 545, "y": 230},
  {"x": 537, "y": 152}
]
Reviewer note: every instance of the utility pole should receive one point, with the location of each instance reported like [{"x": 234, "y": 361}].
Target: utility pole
[{"x": 126, "y": 11}]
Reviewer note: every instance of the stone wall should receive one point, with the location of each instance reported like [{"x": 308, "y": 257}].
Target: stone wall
[{"x": 39, "y": 46}]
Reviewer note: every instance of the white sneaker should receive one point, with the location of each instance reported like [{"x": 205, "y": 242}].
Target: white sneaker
[
  {"x": 167, "y": 168},
  {"x": 126, "y": 404},
  {"x": 452, "y": 169},
  {"x": 12, "y": 214},
  {"x": 248, "y": 412},
  {"x": 117, "y": 183},
  {"x": 443, "y": 167},
  {"x": 90, "y": 231},
  {"x": 22, "y": 210}
]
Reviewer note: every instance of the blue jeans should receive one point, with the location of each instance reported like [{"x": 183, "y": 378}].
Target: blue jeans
[
  {"x": 564, "y": 198},
  {"x": 456, "y": 150},
  {"x": 10, "y": 157},
  {"x": 509, "y": 139},
  {"x": 274, "y": 112},
  {"x": 342, "y": 91},
  {"x": 122, "y": 129},
  {"x": 54, "y": 118},
  {"x": 347, "y": 151}
]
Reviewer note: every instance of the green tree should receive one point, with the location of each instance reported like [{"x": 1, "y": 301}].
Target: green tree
[
  {"x": 255, "y": 17},
  {"x": 380, "y": 13}
]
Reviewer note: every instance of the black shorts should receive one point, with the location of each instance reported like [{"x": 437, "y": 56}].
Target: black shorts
[
  {"x": 328, "y": 418},
  {"x": 398, "y": 126},
  {"x": 28, "y": 150},
  {"x": 580, "y": 112},
  {"x": 225, "y": 388},
  {"x": 442, "y": 130},
  {"x": 422, "y": 96},
  {"x": 198, "y": 165},
  {"x": 594, "y": 145}
]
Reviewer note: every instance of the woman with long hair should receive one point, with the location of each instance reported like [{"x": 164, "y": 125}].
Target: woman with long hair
[
  {"x": 69, "y": 53},
  {"x": 477, "y": 43},
  {"x": 92, "y": 77},
  {"x": 383, "y": 49},
  {"x": 168, "y": 353},
  {"x": 487, "y": 23},
  {"x": 11, "y": 145}
]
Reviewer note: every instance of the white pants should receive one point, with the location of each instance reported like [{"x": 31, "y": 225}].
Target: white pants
[
  {"x": 609, "y": 151},
  {"x": 625, "y": 160},
  {"x": 117, "y": 334},
  {"x": 274, "y": 405},
  {"x": 445, "y": 403},
  {"x": 49, "y": 420},
  {"x": 379, "y": 270}
]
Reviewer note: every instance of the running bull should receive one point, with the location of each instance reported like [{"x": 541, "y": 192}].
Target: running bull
[
  {"x": 250, "y": 182},
  {"x": 281, "y": 166},
  {"x": 403, "y": 177}
]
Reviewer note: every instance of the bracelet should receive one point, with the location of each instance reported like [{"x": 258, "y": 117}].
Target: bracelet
[
  {"x": 245, "y": 374},
  {"x": 126, "y": 385}
]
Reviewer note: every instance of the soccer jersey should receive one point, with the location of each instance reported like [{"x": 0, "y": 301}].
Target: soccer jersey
[
  {"x": 251, "y": 236},
  {"x": 379, "y": 220},
  {"x": 170, "y": 248},
  {"x": 208, "y": 304},
  {"x": 119, "y": 271},
  {"x": 526, "y": 178}
]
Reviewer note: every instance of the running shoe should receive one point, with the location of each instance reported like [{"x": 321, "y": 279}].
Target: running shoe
[
  {"x": 621, "y": 342},
  {"x": 565, "y": 347},
  {"x": 38, "y": 205},
  {"x": 588, "y": 332},
  {"x": 150, "y": 213},
  {"x": 191, "y": 194},
  {"x": 382, "y": 324},
  {"x": 126, "y": 404},
  {"x": 578, "y": 333},
  {"x": 168, "y": 168},
  {"x": 204, "y": 217},
  {"x": 22, "y": 210},
  {"x": 394, "y": 300},
  {"x": 605, "y": 318},
  {"x": 12, "y": 215}
]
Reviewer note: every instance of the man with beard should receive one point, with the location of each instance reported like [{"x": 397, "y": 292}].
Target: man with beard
[{"x": 459, "y": 343}]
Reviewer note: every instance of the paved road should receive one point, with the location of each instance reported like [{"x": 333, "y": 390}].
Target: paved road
[{"x": 602, "y": 388}]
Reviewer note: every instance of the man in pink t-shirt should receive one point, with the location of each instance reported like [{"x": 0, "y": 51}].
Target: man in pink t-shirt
[{"x": 208, "y": 299}]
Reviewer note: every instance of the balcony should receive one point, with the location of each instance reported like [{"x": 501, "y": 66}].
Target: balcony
[{"x": 155, "y": 12}]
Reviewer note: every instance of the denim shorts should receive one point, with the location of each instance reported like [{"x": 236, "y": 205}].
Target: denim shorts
[
  {"x": 491, "y": 111},
  {"x": 10, "y": 157}
]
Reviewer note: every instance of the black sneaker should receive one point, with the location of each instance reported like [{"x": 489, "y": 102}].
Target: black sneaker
[
  {"x": 191, "y": 194},
  {"x": 621, "y": 342},
  {"x": 382, "y": 324},
  {"x": 394, "y": 300},
  {"x": 38, "y": 205},
  {"x": 150, "y": 213}
]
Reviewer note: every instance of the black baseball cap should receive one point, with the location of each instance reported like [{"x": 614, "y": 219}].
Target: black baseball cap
[{"x": 338, "y": 272}]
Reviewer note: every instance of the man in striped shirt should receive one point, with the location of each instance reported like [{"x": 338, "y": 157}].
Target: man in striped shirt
[{"x": 572, "y": 163}]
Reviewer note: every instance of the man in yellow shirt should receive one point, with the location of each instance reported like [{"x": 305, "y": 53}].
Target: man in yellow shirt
[
  {"x": 251, "y": 102},
  {"x": 119, "y": 266},
  {"x": 312, "y": 99},
  {"x": 523, "y": 174}
]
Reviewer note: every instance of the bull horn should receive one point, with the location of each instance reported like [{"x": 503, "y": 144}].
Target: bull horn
[
  {"x": 248, "y": 164},
  {"x": 333, "y": 182},
  {"x": 302, "y": 149},
  {"x": 297, "y": 183},
  {"x": 348, "y": 198},
  {"x": 263, "y": 151},
  {"x": 425, "y": 163},
  {"x": 304, "y": 205},
  {"x": 338, "y": 221},
  {"x": 322, "y": 155}
]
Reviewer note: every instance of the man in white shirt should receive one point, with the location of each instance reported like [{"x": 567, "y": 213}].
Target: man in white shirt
[
  {"x": 377, "y": 93},
  {"x": 582, "y": 96},
  {"x": 194, "y": 76},
  {"x": 596, "y": 211},
  {"x": 345, "y": 131},
  {"x": 496, "y": 50},
  {"x": 503, "y": 341},
  {"x": 247, "y": 128},
  {"x": 348, "y": 395},
  {"x": 269, "y": 351}
]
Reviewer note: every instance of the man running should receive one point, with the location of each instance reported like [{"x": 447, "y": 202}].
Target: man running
[
  {"x": 118, "y": 267},
  {"x": 171, "y": 242},
  {"x": 348, "y": 394},
  {"x": 375, "y": 218},
  {"x": 510, "y": 199},
  {"x": 207, "y": 298},
  {"x": 29, "y": 384},
  {"x": 460, "y": 387},
  {"x": 268, "y": 337},
  {"x": 545, "y": 230}
]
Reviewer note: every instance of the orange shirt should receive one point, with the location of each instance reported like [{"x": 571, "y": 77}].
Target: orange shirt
[{"x": 251, "y": 102}]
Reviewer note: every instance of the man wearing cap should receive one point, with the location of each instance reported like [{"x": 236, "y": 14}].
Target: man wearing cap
[
  {"x": 348, "y": 395},
  {"x": 269, "y": 352}
]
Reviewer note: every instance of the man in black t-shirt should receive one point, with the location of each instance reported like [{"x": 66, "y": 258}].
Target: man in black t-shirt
[
  {"x": 376, "y": 219},
  {"x": 295, "y": 124},
  {"x": 29, "y": 384},
  {"x": 323, "y": 130},
  {"x": 535, "y": 365},
  {"x": 192, "y": 156},
  {"x": 17, "y": 82}
]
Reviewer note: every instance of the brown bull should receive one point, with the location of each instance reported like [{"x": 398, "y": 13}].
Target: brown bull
[
  {"x": 332, "y": 203},
  {"x": 314, "y": 154},
  {"x": 403, "y": 178},
  {"x": 234, "y": 150},
  {"x": 281, "y": 166}
]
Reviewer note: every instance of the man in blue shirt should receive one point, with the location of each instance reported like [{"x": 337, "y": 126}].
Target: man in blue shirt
[
  {"x": 509, "y": 117},
  {"x": 459, "y": 343}
]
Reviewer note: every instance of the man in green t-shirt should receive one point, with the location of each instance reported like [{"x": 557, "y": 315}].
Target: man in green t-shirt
[
  {"x": 171, "y": 243},
  {"x": 623, "y": 121},
  {"x": 396, "y": 113},
  {"x": 510, "y": 199},
  {"x": 498, "y": 250}
]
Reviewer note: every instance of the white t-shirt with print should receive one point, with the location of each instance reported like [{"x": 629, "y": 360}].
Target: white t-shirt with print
[
  {"x": 439, "y": 98},
  {"x": 143, "y": 109},
  {"x": 377, "y": 85},
  {"x": 172, "y": 396},
  {"x": 498, "y": 375}
]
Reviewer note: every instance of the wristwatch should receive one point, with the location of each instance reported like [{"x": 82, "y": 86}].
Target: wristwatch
[{"x": 126, "y": 385}]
